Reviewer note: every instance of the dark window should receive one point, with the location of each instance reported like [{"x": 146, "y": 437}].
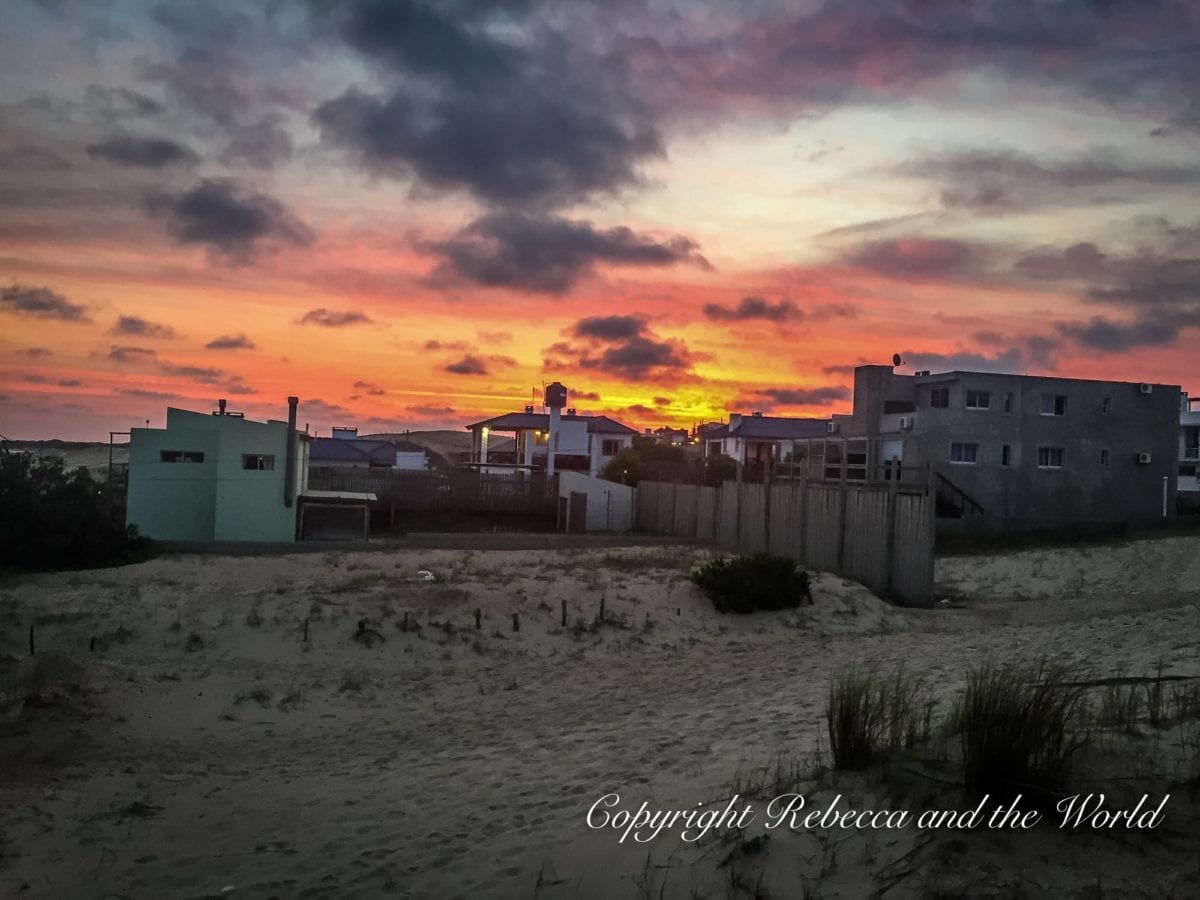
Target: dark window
[
  {"x": 979, "y": 399},
  {"x": 1104, "y": 457},
  {"x": 1054, "y": 404},
  {"x": 1051, "y": 457},
  {"x": 1187, "y": 471},
  {"x": 1008, "y": 401},
  {"x": 258, "y": 461},
  {"x": 609, "y": 447},
  {"x": 899, "y": 406},
  {"x": 180, "y": 456},
  {"x": 1005, "y": 455},
  {"x": 1106, "y": 405},
  {"x": 968, "y": 454},
  {"x": 939, "y": 397}
]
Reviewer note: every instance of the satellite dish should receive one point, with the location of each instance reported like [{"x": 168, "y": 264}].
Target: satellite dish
[{"x": 896, "y": 360}]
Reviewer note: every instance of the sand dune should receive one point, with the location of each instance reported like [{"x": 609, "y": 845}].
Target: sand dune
[{"x": 205, "y": 748}]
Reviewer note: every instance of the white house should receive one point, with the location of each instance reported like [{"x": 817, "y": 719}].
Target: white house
[
  {"x": 582, "y": 443},
  {"x": 758, "y": 439}
]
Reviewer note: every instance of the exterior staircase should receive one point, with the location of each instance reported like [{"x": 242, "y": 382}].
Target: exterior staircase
[{"x": 951, "y": 501}]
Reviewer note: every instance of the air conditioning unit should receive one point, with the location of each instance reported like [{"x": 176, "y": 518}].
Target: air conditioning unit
[
  {"x": 831, "y": 427},
  {"x": 906, "y": 423},
  {"x": 1145, "y": 389},
  {"x": 1143, "y": 459}
]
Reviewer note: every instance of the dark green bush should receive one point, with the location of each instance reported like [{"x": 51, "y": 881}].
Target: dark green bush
[
  {"x": 54, "y": 519},
  {"x": 748, "y": 583}
]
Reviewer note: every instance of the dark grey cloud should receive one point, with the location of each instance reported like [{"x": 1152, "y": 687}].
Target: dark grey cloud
[
  {"x": 455, "y": 346},
  {"x": 231, "y": 221},
  {"x": 202, "y": 374},
  {"x": 751, "y": 308},
  {"x": 995, "y": 182},
  {"x": 143, "y": 394},
  {"x": 919, "y": 258},
  {"x": 548, "y": 254},
  {"x": 468, "y": 365},
  {"x": 136, "y": 326},
  {"x": 332, "y": 318},
  {"x": 816, "y": 396},
  {"x": 1078, "y": 261},
  {"x": 69, "y": 382},
  {"x": 237, "y": 341},
  {"x": 610, "y": 328},
  {"x": 1113, "y": 336},
  {"x": 35, "y": 352},
  {"x": 370, "y": 388},
  {"x": 203, "y": 80},
  {"x": 128, "y": 354},
  {"x": 35, "y": 379},
  {"x": 145, "y": 153},
  {"x": 431, "y": 412},
  {"x": 488, "y": 100},
  {"x": 262, "y": 144},
  {"x": 1011, "y": 360},
  {"x": 114, "y": 103},
  {"x": 41, "y": 303}
]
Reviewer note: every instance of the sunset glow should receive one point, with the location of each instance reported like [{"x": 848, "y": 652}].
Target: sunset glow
[{"x": 411, "y": 215}]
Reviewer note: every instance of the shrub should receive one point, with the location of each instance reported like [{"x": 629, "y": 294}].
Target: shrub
[
  {"x": 867, "y": 715},
  {"x": 748, "y": 583},
  {"x": 624, "y": 468},
  {"x": 54, "y": 519},
  {"x": 1019, "y": 728}
]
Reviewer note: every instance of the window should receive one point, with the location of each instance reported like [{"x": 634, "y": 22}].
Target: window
[
  {"x": 1104, "y": 457},
  {"x": 1054, "y": 404},
  {"x": 180, "y": 456},
  {"x": 1051, "y": 457},
  {"x": 1008, "y": 401},
  {"x": 979, "y": 399},
  {"x": 1006, "y": 455},
  {"x": 966, "y": 454},
  {"x": 260, "y": 462},
  {"x": 1106, "y": 405},
  {"x": 898, "y": 406},
  {"x": 609, "y": 447},
  {"x": 939, "y": 397},
  {"x": 1187, "y": 471}
]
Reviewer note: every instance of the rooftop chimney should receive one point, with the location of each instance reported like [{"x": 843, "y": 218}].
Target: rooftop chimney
[
  {"x": 221, "y": 407},
  {"x": 757, "y": 415},
  {"x": 289, "y": 471}
]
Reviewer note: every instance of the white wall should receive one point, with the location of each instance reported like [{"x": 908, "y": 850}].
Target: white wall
[{"x": 610, "y": 506}]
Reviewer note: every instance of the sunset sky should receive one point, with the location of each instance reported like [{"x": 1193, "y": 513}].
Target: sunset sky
[{"x": 410, "y": 214}]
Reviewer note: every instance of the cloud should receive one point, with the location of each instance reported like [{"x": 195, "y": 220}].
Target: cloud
[
  {"x": 749, "y": 308},
  {"x": 69, "y": 382},
  {"x": 814, "y": 396},
  {"x": 1008, "y": 361},
  {"x": 918, "y": 258},
  {"x": 448, "y": 345},
  {"x": 41, "y": 303},
  {"x": 609, "y": 328},
  {"x": 231, "y": 221},
  {"x": 202, "y": 374},
  {"x": 370, "y": 388},
  {"x": 548, "y": 254},
  {"x": 264, "y": 144},
  {"x": 468, "y": 365},
  {"x": 136, "y": 326},
  {"x": 35, "y": 379},
  {"x": 1110, "y": 336},
  {"x": 494, "y": 337},
  {"x": 143, "y": 394},
  {"x": 121, "y": 103},
  {"x": 488, "y": 101},
  {"x": 318, "y": 407},
  {"x": 662, "y": 401},
  {"x": 144, "y": 153},
  {"x": 126, "y": 354},
  {"x": 35, "y": 352},
  {"x": 1079, "y": 261},
  {"x": 237, "y": 341},
  {"x": 432, "y": 412},
  {"x": 330, "y": 318},
  {"x": 1007, "y": 181},
  {"x": 641, "y": 409}
]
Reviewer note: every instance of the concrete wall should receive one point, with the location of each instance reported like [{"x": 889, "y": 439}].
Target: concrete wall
[
  {"x": 879, "y": 537},
  {"x": 217, "y": 499},
  {"x": 610, "y": 506}
]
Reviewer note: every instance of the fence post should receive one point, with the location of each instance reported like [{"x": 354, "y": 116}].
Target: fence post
[{"x": 893, "y": 494}]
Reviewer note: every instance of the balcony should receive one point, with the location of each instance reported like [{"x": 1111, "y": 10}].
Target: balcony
[{"x": 1190, "y": 453}]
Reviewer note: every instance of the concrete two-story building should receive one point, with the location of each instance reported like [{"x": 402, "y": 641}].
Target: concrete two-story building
[
  {"x": 1019, "y": 451},
  {"x": 1189, "y": 453},
  {"x": 217, "y": 477}
]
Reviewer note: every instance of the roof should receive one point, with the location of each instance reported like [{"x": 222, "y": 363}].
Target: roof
[
  {"x": 356, "y": 449},
  {"x": 778, "y": 428},
  {"x": 541, "y": 422},
  {"x": 360, "y": 496}
]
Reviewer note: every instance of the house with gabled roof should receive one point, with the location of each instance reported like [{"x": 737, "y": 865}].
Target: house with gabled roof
[
  {"x": 582, "y": 443},
  {"x": 759, "y": 440}
]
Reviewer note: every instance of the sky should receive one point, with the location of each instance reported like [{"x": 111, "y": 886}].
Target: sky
[{"x": 414, "y": 214}]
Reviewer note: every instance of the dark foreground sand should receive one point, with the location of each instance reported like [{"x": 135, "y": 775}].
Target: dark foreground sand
[{"x": 204, "y": 748}]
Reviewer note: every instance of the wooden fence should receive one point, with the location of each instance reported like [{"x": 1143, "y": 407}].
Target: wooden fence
[
  {"x": 459, "y": 490},
  {"x": 878, "y": 534}
]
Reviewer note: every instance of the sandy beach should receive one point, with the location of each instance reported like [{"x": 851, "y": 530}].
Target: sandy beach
[{"x": 204, "y": 747}]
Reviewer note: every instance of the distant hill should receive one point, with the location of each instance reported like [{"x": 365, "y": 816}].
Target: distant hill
[{"x": 90, "y": 455}]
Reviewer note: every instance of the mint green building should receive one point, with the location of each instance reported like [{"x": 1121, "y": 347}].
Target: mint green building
[{"x": 217, "y": 477}]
